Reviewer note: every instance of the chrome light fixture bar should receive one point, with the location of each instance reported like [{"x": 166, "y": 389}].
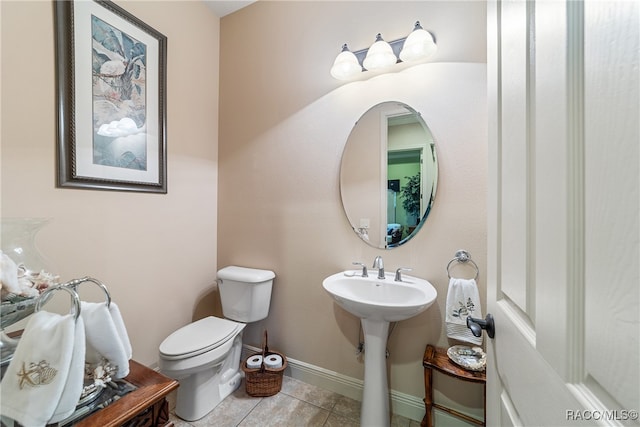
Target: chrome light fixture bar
[{"x": 414, "y": 49}]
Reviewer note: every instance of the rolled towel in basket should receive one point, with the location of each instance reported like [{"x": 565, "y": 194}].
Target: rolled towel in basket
[{"x": 45, "y": 376}]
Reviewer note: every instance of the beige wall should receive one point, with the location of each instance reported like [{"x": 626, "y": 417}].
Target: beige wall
[
  {"x": 283, "y": 125},
  {"x": 156, "y": 253}
]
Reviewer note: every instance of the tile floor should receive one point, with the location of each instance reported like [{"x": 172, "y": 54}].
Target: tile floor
[{"x": 297, "y": 405}]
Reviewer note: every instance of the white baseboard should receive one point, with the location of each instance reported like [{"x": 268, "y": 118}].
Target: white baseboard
[{"x": 403, "y": 404}]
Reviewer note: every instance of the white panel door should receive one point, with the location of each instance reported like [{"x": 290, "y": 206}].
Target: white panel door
[{"x": 564, "y": 209}]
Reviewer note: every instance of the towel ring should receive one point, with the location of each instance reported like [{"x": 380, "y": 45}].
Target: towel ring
[
  {"x": 463, "y": 257},
  {"x": 73, "y": 284},
  {"x": 74, "y": 297}
]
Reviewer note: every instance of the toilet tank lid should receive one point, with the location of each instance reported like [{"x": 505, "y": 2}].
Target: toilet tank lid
[{"x": 244, "y": 274}]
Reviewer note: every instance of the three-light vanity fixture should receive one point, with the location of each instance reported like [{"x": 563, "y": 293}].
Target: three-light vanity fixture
[{"x": 414, "y": 49}]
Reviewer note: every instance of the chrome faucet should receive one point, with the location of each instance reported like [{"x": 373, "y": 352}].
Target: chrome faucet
[
  {"x": 379, "y": 264},
  {"x": 399, "y": 273},
  {"x": 364, "y": 268}
]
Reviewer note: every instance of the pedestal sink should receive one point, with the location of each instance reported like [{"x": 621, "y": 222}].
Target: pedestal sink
[{"x": 377, "y": 302}]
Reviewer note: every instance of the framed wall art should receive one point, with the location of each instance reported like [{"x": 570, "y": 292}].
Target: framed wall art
[{"x": 111, "y": 94}]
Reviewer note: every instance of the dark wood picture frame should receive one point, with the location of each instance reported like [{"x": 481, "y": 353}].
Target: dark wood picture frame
[{"x": 111, "y": 99}]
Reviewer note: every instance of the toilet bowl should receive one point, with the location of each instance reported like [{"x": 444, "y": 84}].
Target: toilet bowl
[{"x": 204, "y": 356}]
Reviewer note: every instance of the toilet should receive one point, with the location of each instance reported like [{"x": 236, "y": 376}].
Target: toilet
[{"x": 204, "y": 356}]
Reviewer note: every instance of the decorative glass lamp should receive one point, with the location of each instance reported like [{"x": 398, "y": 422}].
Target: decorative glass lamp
[
  {"x": 419, "y": 46},
  {"x": 346, "y": 65},
  {"x": 380, "y": 55}
]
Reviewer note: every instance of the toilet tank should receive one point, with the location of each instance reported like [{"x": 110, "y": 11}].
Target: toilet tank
[{"x": 245, "y": 293}]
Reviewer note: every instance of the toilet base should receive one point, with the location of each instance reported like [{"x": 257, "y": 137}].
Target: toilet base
[
  {"x": 201, "y": 392},
  {"x": 192, "y": 406}
]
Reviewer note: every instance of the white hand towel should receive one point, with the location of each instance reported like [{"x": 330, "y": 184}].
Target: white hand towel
[
  {"x": 103, "y": 339},
  {"x": 42, "y": 370},
  {"x": 75, "y": 380},
  {"x": 463, "y": 300},
  {"x": 114, "y": 311}
]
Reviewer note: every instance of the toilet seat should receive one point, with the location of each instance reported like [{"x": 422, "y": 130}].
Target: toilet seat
[{"x": 199, "y": 337}]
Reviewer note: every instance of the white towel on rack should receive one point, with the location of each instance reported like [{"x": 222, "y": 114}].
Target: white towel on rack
[
  {"x": 75, "y": 380},
  {"x": 463, "y": 300},
  {"x": 121, "y": 329},
  {"x": 45, "y": 376},
  {"x": 103, "y": 340}
]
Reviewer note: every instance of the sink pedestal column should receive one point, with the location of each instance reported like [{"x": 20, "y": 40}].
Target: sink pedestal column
[{"x": 375, "y": 397}]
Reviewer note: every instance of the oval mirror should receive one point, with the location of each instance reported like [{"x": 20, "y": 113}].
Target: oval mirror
[{"x": 388, "y": 175}]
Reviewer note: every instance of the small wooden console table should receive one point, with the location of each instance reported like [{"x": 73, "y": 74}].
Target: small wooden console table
[
  {"x": 436, "y": 358},
  {"x": 146, "y": 406}
]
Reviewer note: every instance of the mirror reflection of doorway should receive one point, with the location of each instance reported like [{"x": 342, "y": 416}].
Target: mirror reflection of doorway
[
  {"x": 404, "y": 167},
  {"x": 393, "y": 188}
]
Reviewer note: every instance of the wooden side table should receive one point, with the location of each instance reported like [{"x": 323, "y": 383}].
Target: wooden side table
[
  {"x": 146, "y": 406},
  {"x": 436, "y": 358}
]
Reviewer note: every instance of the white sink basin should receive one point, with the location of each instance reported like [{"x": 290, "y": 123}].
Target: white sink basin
[
  {"x": 380, "y": 299},
  {"x": 378, "y": 302}
]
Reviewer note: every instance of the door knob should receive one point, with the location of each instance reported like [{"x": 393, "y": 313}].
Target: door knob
[{"x": 477, "y": 325}]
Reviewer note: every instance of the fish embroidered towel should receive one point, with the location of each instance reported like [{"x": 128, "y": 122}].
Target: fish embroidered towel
[
  {"x": 463, "y": 300},
  {"x": 45, "y": 376},
  {"x": 103, "y": 339}
]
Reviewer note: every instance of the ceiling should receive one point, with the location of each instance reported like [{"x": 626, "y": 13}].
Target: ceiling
[{"x": 225, "y": 7}]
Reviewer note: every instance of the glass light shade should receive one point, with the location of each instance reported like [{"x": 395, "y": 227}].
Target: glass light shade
[
  {"x": 419, "y": 45},
  {"x": 346, "y": 65},
  {"x": 379, "y": 55}
]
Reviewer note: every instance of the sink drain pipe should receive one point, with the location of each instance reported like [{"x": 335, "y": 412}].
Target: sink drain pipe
[{"x": 360, "y": 349}]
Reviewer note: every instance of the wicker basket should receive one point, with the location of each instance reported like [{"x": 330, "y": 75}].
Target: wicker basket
[{"x": 263, "y": 381}]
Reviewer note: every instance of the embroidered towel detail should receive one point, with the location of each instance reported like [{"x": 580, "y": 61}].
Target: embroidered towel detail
[
  {"x": 463, "y": 300},
  {"x": 44, "y": 369},
  {"x": 103, "y": 340}
]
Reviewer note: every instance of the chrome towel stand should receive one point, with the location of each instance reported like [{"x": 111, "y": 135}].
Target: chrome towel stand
[
  {"x": 73, "y": 284},
  {"x": 72, "y": 288},
  {"x": 44, "y": 297},
  {"x": 463, "y": 257}
]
